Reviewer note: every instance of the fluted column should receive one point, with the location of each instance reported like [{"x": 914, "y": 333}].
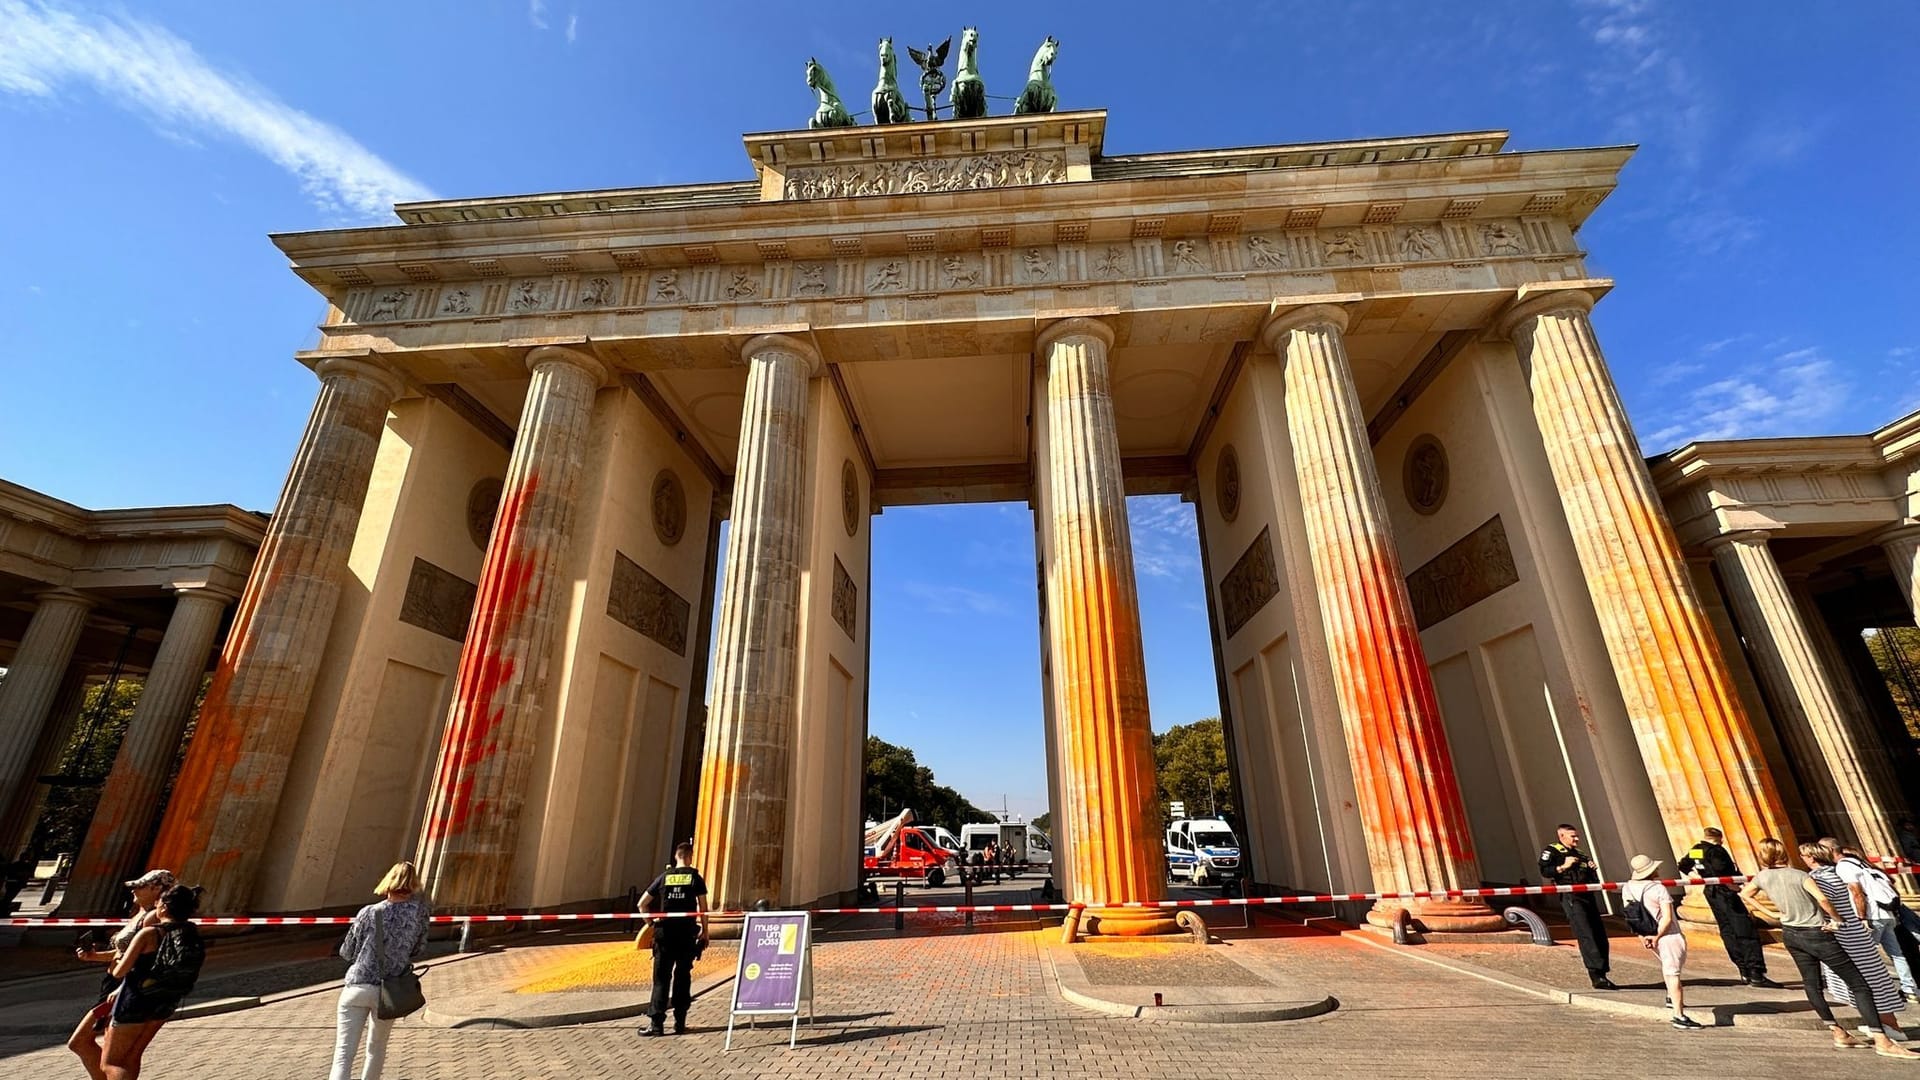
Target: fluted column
[
  {"x": 228, "y": 791},
  {"x": 741, "y": 826},
  {"x": 1699, "y": 747},
  {"x": 479, "y": 791},
  {"x": 1842, "y": 798},
  {"x": 1416, "y": 824},
  {"x": 1902, "y": 545},
  {"x": 33, "y": 681},
  {"x": 129, "y": 804},
  {"x": 1093, "y": 628}
]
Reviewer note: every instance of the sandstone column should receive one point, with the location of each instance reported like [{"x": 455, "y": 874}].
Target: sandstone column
[
  {"x": 1802, "y": 694},
  {"x": 33, "y": 681},
  {"x": 741, "y": 829},
  {"x": 1416, "y": 823},
  {"x": 480, "y": 783},
  {"x": 129, "y": 803},
  {"x": 1902, "y": 545},
  {"x": 1699, "y": 747},
  {"x": 1097, "y": 659},
  {"x": 228, "y": 790}
]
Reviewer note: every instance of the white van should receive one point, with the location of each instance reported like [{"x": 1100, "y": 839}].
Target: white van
[
  {"x": 1019, "y": 843},
  {"x": 1201, "y": 851},
  {"x": 942, "y": 837}
]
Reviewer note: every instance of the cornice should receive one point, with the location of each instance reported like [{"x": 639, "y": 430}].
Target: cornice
[{"x": 155, "y": 522}]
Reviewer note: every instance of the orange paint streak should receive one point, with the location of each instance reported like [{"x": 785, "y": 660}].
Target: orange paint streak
[{"x": 471, "y": 737}]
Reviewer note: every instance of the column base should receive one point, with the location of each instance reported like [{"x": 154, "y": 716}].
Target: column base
[
  {"x": 1440, "y": 916},
  {"x": 1123, "y": 922}
]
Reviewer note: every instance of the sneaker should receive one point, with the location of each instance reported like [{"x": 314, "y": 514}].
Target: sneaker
[
  {"x": 656, "y": 1027},
  {"x": 1683, "y": 1022}
]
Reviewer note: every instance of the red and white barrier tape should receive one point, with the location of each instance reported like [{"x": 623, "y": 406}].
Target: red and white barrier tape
[{"x": 944, "y": 909}]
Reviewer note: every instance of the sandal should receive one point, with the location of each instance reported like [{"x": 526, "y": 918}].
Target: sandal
[{"x": 1895, "y": 1052}]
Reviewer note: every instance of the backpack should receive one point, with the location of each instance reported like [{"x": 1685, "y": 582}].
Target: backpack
[
  {"x": 1638, "y": 918},
  {"x": 176, "y": 962}
]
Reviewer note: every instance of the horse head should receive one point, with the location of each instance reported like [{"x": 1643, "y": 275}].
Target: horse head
[
  {"x": 887, "y": 58},
  {"x": 815, "y": 73},
  {"x": 969, "y": 41}
]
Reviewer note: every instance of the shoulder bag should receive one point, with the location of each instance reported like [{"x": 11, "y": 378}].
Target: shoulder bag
[{"x": 400, "y": 994}]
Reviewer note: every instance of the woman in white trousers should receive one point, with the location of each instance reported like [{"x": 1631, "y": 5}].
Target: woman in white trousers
[{"x": 381, "y": 943}]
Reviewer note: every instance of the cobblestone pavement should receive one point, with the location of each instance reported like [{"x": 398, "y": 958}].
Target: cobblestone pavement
[{"x": 958, "y": 1004}]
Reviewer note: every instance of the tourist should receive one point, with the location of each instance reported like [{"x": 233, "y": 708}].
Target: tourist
[
  {"x": 1666, "y": 941},
  {"x": 1856, "y": 938},
  {"x": 677, "y": 942},
  {"x": 147, "y": 890},
  {"x": 1710, "y": 858},
  {"x": 385, "y": 937},
  {"x": 156, "y": 972},
  {"x": 1880, "y": 903},
  {"x": 1808, "y": 921},
  {"x": 1563, "y": 863}
]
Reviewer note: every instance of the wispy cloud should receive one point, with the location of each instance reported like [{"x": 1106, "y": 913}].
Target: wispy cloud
[
  {"x": 955, "y": 599},
  {"x": 573, "y": 28},
  {"x": 1795, "y": 392},
  {"x": 537, "y": 13},
  {"x": 143, "y": 67},
  {"x": 1166, "y": 540}
]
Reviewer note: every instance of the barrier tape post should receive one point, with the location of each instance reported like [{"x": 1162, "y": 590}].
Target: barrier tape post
[
  {"x": 969, "y": 886},
  {"x": 899, "y": 904},
  {"x": 466, "y": 935}
]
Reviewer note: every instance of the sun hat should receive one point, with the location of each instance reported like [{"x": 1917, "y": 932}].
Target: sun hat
[
  {"x": 162, "y": 878},
  {"x": 1644, "y": 868}
]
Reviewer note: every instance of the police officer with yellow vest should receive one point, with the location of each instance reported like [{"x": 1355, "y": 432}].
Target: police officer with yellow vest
[
  {"x": 677, "y": 942},
  {"x": 1709, "y": 859},
  {"x": 1563, "y": 863}
]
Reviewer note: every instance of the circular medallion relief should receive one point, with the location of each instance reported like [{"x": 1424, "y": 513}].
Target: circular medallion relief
[
  {"x": 850, "y": 498},
  {"x": 669, "y": 507},
  {"x": 1425, "y": 475},
  {"x": 1226, "y": 484},
  {"x": 483, "y": 502}
]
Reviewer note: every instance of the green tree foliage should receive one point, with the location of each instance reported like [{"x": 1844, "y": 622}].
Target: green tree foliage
[
  {"x": 1896, "y": 652},
  {"x": 1191, "y": 762},
  {"x": 895, "y": 779},
  {"x": 1044, "y": 822},
  {"x": 84, "y": 765}
]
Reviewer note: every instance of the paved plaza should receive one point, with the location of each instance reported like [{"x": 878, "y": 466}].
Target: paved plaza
[{"x": 945, "y": 1002}]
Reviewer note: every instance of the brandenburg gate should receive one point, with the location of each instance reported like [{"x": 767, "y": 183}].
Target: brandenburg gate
[{"x": 1449, "y": 610}]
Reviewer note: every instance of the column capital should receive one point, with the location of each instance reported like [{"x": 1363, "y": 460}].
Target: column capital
[
  {"x": 63, "y": 595},
  {"x": 1893, "y": 534},
  {"x": 202, "y": 591},
  {"x": 545, "y": 355},
  {"x": 1281, "y": 322},
  {"x": 1750, "y": 537},
  {"x": 784, "y": 345},
  {"x": 360, "y": 369},
  {"x": 1077, "y": 326},
  {"x": 1545, "y": 297}
]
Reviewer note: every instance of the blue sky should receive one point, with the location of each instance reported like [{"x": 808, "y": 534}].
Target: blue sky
[{"x": 1763, "y": 237}]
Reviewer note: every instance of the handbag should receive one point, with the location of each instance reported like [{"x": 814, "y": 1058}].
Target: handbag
[{"x": 400, "y": 995}]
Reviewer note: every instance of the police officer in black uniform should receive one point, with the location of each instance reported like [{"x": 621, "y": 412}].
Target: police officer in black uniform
[
  {"x": 1709, "y": 858},
  {"x": 676, "y": 942},
  {"x": 1563, "y": 863}
]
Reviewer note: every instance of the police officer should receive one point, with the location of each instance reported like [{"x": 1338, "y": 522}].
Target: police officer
[
  {"x": 1709, "y": 858},
  {"x": 1563, "y": 863},
  {"x": 676, "y": 942}
]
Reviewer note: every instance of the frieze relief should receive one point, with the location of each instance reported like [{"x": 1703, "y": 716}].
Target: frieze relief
[
  {"x": 1253, "y": 581},
  {"x": 919, "y": 176},
  {"x": 1475, "y": 567},
  {"x": 438, "y": 601},
  {"x": 646, "y": 605},
  {"x": 1428, "y": 247},
  {"x": 846, "y": 600}
]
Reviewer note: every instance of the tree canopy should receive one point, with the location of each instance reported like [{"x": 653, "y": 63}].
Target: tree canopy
[
  {"x": 1191, "y": 762},
  {"x": 895, "y": 779}
]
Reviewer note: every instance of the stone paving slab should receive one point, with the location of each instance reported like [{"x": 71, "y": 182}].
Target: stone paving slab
[{"x": 1188, "y": 983}]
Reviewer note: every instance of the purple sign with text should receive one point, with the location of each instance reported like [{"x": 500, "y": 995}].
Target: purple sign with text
[{"x": 773, "y": 962}]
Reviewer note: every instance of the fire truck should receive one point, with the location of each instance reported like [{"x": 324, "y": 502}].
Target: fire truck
[{"x": 898, "y": 848}]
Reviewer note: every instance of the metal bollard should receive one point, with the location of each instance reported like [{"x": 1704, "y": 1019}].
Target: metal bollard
[
  {"x": 466, "y": 935},
  {"x": 969, "y": 883},
  {"x": 899, "y": 901}
]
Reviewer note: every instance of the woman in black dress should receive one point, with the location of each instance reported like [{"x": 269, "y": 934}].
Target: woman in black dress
[{"x": 148, "y": 995}]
